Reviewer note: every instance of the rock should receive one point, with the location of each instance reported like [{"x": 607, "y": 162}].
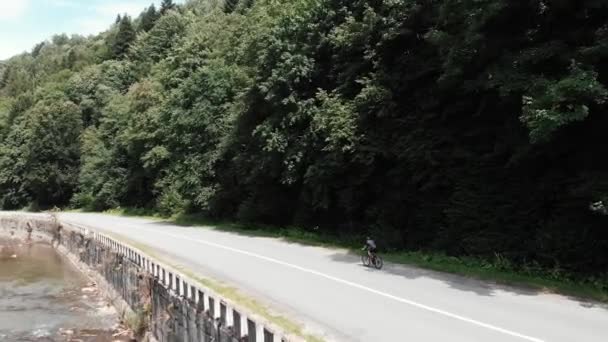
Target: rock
[
  {"x": 68, "y": 332},
  {"x": 89, "y": 289}
]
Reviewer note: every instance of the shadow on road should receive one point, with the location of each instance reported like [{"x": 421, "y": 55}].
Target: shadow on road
[
  {"x": 461, "y": 283},
  {"x": 455, "y": 281},
  {"x": 458, "y": 282}
]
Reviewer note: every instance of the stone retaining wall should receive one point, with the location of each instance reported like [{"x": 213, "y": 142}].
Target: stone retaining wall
[{"x": 171, "y": 306}]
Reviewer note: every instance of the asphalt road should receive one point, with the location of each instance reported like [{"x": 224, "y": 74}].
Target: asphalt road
[{"x": 333, "y": 295}]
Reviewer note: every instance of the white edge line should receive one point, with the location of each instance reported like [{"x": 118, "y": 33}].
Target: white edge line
[{"x": 349, "y": 283}]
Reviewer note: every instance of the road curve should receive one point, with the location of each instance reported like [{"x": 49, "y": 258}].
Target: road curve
[{"x": 333, "y": 296}]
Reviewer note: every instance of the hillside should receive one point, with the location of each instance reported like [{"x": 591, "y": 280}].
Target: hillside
[{"x": 473, "y": 128}]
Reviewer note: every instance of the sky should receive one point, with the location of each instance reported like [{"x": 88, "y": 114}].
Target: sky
[{"x": 24, "y": 23}]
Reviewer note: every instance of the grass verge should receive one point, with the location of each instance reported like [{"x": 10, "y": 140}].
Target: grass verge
[
  {"x": 498, "y": 270},
  {"x": 227, "y": 292},
  {"x": 534, "y": 278}
]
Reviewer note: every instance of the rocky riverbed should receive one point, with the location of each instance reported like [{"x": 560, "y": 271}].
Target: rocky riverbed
[{"x": 44, "y": 298}]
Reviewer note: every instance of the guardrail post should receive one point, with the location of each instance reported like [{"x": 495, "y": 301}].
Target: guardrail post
[
  {"x": 251, "y": 331},
  {"x": 211, "y": 307},
  {"x": 238, "y": 324},
  {"x": 200, "y": 303},
  {"x": 268, "y": 336},
  {"x": 235, "y": 323},
  {"x": 223, "y": 313}
]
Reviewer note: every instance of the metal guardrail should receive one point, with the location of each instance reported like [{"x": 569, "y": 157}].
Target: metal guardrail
[{"x": 196, "y": 305}]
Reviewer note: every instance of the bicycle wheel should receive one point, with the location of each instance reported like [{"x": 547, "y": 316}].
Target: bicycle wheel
[
  {"x": 378, "y": 263},
  {"x": 365, "y": 259}
]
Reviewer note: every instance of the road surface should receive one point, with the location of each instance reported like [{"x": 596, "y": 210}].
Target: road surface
[{"x": 330, "y": 293}]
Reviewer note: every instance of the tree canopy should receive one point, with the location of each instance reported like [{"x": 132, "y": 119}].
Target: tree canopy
[{"x": 463, "y": 126}]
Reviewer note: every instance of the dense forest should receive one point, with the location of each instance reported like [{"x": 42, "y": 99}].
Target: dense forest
[{"x": 470, "y": 127}]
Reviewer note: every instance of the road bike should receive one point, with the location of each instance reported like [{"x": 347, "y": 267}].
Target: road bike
[{"x": 375, "y": 260}]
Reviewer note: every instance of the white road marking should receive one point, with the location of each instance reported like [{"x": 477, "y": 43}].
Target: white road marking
[{"x": 349, "y": 283}]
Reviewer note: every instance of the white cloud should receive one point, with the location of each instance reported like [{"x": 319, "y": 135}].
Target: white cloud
[
  {"x": 13, "y": 9},
  {"x": 65, "y": 3}
]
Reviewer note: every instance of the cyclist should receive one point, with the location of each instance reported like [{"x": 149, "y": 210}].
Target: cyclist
[{"x": 370, "y": 245}]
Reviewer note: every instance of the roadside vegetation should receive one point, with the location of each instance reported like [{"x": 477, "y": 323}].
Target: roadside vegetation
[
  {"x": 498, "y": 269},
  {"x": 464, "y": 135}
]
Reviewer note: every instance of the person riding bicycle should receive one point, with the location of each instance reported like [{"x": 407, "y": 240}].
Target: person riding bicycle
[{"x": 370, "y": 245}]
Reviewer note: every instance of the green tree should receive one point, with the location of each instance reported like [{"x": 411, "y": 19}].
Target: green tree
[
  {"x": 103, "y": 176},
  {"x": 155, "y": 44},
  {"x": 4, "y": 75},
  {"x": 94, "y": 87},
  {"x": 60, "y": 39},
  {"x": 166, "y": 5},
  {"x": 37, "y": 48},
  {"x": 148, "y": 18},
  {"x": 123, "y": 39},
  {"x": 40, "y": 156},
  {"x": 230, "y": 5},
  {"x": 463, "y": 126}
]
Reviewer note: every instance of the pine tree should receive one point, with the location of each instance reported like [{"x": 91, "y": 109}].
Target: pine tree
[
  {"x": 124, "y": 37},
  {"x": 247, "y": 3},
  {"x": 5, "y": 75},
  {"x": 70, "y": 60},
  {"x": 166, "y": 5},
  {"x": 36, "y": 50},
  {"x": 230, "y": 5},
  {"x": 148, "y": 18}
]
